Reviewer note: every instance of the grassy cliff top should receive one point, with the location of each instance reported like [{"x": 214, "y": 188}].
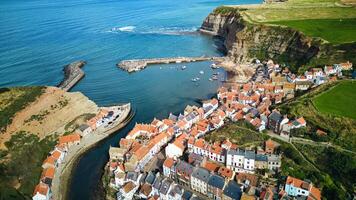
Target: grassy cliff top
[
  {"x": 331, "y": 20},
  {"x": 15, "y": 99}
]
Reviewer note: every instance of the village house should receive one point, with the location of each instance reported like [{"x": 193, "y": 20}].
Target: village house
[
  {"x": 176, "y": 192},
  {"x": 346, "y": 66},
  {"x": 168, "y": 167},
  {"x": 141, "y": 129},
  {"x": 270, "y": 146},
  {"x": 183, "y": 173},
  {"x": 303, "y": 85},
  {"x": 274, "y": 121},
  {"x": 42, "y": 192},
  {"x": 58, "y": 156},
  {"x": 235, "y": 159},
  {"x": 117, "y": 154},
  {"x": 232, "y": 191},
  {"x": 199, "y": 180},
  {"x": 274, "y": 162},
  {"x": 164, "y": 189},
  {"x": 47, "y": 176},
  {"x": 127, "y": 191},
  {"x": 84, "y": 130},
  {"x": 49, "y": 162},
  {"x": 249, "y": 161},
  {"x": 145, "y": 191},
  {"x": 69, "y": 140},
  {"x": 261, "y": 161},
  {"x": 176, "y": 149},
  {"x": 226, "y": 173},
  {"x": 295, "y": 187},
  {"x": 216, "y": 185},
  {"x": 119, "y": 179},
  {"x": 248, "y": 181},
  {"x": 157, "y": 184},
  {"x": 217, "y": 153}
]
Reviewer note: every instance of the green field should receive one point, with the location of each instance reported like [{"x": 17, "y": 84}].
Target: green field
[
  {"x": 335, "y": 31},
  {"x": 340, "y": 100}
]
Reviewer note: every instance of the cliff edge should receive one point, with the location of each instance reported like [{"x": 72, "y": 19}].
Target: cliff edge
[{"x": 245, "y": 41}]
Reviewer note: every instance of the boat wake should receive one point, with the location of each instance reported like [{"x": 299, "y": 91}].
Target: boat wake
[
  {"x": 173, "y": 31},
  {"x": 155, "y": 31},
  {"x": 122, "y": 29}
]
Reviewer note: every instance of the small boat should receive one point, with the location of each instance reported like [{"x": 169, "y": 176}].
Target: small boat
[
  {"x": 194, "y": 80},
  {"x": 214, "y": 77},
  {"x": 201, "y": 72},
  {"x": 214, "y": 66},
  {"x": 178, "y": 61},
  {"x": 197, "y": 78},
  {"x": 184, "y": 67},
  {"x": 210, "y": 79}
]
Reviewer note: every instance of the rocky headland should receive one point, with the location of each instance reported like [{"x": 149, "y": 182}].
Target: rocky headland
[{"x": 245, "y": 41}]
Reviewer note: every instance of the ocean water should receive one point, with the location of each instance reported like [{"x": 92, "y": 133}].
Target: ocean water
[{"x": 39, "y": 37}]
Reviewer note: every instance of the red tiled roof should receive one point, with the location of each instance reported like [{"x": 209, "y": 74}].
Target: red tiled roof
[
  {"x": 169, "y": 162},
  {"x": 225, "y": 172},
  {"x": 48, "y": 173},
  {"x": 41, "y": 188},
  {"x": 69, "y": 138},
  {"x": 210, "y": 166}
]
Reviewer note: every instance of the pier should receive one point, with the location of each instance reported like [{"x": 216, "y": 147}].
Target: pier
[
  {"x": 72, "y": 75},
  {"x": 139, "y": 64}
]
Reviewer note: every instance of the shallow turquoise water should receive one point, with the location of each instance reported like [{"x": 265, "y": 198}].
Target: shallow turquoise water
[{"x": 39, "y": 37}]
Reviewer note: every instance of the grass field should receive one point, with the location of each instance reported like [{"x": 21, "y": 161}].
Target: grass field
[
  {"x": 239, "y": 133},
  {"x": 340, "y": 100},
  {"x": 335, "y": 31}
]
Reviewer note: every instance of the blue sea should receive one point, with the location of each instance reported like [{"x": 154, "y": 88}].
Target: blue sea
[{"x": 39, "y": 37}]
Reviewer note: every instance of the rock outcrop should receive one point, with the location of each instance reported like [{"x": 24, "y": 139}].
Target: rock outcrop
[{"x": 245, "y": 41}]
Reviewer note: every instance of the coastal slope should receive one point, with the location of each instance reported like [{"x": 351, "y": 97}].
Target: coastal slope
[{"x": 32, "y": 118}]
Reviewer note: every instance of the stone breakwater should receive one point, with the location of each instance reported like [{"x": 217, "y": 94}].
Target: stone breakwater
[
  {"x": 139, "y": 64},
  {"x": 72, "y": 75}
]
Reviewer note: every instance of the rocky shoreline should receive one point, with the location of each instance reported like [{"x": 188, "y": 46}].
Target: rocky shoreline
[{"x": 72, "y": 75}]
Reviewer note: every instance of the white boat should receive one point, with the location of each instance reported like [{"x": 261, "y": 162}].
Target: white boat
[
  {"x": 210, "y": 79},
  {"x": 214, "y": 77},
  {"x": 178, "y": 61},
  {"x": 184, "y": 67},
  {"x": 195, "y": 79},
  {"x": 201, "y": 72}
]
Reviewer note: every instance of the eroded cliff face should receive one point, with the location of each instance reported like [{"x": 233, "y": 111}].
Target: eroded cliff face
[{"x": 245, "y": 41}]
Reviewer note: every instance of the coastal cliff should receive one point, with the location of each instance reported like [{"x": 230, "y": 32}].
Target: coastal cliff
[{"x": 245, "y": 41}]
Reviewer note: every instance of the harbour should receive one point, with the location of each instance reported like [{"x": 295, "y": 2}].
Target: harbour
[{"x": 139, "y": 64}]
